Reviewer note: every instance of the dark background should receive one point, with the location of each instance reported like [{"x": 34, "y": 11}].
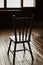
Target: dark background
[{"x": 6, "y": 16}]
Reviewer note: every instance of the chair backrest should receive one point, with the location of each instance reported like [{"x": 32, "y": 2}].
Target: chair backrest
[{"x": 22, "y": 28}]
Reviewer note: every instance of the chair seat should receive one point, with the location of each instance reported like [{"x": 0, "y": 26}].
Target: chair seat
[
  {"x": 18, "y": 41},
  {"x": 12, "y": 37}
]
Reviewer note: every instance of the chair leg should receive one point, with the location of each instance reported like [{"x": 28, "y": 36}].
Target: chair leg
[
  {"x": 30, "y": 51},
  {"x": 14, "y": 54},
  {"x": 9, "y": 47},
  {"x": 24, "y": 47}
]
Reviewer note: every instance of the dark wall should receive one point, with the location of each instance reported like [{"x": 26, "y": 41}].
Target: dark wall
[
  {"x": 6, "y": 16},
  {"x": 39, "y": 9},
  {"x": 39, "y": 14}
]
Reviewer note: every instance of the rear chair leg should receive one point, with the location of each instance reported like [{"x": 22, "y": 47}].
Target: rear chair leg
[
  {"x": 9, "y": 46},
  {"x": 30, "y": 51},
  {"x": 14, "y": 54}
]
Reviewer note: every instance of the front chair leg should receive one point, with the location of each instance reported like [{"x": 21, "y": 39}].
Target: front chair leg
[
  {"x": 30, "y": 51},
  {"x": 24, "y": 47},
  {"x": 9, "y": 46},
  {"x": 14, "y": 54}
]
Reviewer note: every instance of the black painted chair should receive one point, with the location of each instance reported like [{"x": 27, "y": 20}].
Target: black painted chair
[{"x": 24, "y": 27}]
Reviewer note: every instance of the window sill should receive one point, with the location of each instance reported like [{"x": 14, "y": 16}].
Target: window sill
[{"x": 10, "y": 9}]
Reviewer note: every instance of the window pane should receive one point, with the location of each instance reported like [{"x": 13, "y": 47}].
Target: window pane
[
  {"x": 13, "y": 3},
  {"x": 28, "y": 3},
  {"x": 1, "y": 3}
]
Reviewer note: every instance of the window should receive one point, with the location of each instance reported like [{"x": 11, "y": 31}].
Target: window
[
  {"x": 28, "y": 3},
  {"x": 17, "y": 3},
  {"x": 1, "y": 3},
  {"x": 13, "y": 3}
]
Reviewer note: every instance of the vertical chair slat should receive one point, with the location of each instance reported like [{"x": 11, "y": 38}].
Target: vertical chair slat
[
  {"x": 26, "y": 33},
  {"x": 15, "y": 36},
  {"x": 23, "y": 34},
  {"x": 19, "y": 35},
  {"x": 30, "y": 29}
]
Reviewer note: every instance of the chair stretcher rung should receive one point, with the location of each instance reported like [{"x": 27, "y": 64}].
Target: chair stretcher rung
[
  {"x": 19, "y": 50},
  {"x": 22, "y": 50}
]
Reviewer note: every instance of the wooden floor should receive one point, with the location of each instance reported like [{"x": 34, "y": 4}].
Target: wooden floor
[{"x": 36, "y": 45}]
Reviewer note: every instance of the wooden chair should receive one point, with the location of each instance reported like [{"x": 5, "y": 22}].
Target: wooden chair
[{"x": 22, "y": 27}]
